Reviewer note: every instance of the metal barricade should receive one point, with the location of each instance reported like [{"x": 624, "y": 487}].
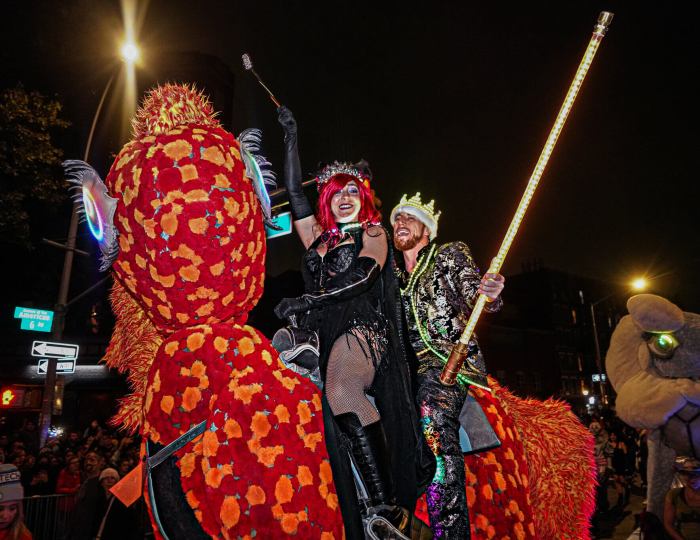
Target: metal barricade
[{"x": 48, "y": 517}]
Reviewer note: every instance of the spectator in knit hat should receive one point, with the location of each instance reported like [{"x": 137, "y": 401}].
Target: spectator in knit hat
[
  {"x": 12, "y": 525},
  {"x": 108, "y": 478}
]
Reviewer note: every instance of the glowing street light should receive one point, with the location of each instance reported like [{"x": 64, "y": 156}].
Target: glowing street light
[
  {"x": 130, "y": 52},
  {"x": 639, "y": 284}
]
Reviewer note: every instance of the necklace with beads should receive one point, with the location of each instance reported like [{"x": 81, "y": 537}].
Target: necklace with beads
[{"x": 418, "y": 271}]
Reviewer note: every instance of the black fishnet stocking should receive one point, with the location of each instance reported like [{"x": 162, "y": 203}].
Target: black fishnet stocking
[{"x": 348, "y": 376}]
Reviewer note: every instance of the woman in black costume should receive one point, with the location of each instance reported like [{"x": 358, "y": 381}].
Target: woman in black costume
[{"x": 351, "y": 301}]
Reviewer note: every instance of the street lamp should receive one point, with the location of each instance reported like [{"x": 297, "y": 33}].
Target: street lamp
[
  {"x": 129, "y": 54},
  {"x": 639, "y": 284}
]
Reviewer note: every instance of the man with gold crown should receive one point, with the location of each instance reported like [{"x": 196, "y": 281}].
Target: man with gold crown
[{"x": 440, "y": 284}]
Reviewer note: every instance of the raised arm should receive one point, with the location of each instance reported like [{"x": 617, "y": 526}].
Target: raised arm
[{"x": 304, "y": 219}]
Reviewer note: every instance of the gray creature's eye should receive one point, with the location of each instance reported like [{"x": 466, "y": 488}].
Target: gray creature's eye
[{"x": 663, "y": 345}]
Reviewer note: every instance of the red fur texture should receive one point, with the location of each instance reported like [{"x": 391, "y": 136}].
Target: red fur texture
[
  {"x": 559, "y": 453},
  {"x": 131, "y": 350}
]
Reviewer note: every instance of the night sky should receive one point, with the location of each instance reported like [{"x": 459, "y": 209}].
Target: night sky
[{"x": 454, "y": 99}]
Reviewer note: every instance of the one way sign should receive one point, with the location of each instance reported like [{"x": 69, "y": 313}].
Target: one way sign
[
  {"x": 46, "y": 349},
  {"x": 62, "y": 366}
]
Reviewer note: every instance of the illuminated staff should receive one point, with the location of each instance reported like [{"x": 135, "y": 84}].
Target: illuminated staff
[{"x": 460, "y": 350}]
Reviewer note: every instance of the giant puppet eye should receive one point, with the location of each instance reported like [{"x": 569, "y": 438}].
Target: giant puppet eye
[
  {"x": 92, "y": 215},
  {"x": 663, "y": 345},
  {"x": 258, "y": 170},
  {"x": 96, "y": 208}
]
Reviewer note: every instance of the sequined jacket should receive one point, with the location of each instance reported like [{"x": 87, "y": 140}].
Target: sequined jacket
[{"x": 438, "y": 297}]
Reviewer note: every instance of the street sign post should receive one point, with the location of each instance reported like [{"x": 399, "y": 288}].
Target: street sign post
[
  {"x": 62, "y": 366},
  {"x": 60, "y": 351},
  {"x": 39, "y": 320}
]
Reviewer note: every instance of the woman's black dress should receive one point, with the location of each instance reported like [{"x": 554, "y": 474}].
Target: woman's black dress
[{"x": 375, "y": 315}]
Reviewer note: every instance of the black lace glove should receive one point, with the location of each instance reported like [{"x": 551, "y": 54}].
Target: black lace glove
[
  {"x": 357, "y": 281},
  {"x": 298, "y": 202}
]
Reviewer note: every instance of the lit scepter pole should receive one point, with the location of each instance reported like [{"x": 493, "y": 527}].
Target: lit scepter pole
[
  {"x": 248, "y": 65},
  {"x": 460, "y": 349}
]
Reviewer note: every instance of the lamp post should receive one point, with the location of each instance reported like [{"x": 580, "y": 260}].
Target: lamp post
[
  {"x": 638, "y": 285},
  {"x": 52, "y": 381},
  {"x": 601, "y": 384}
]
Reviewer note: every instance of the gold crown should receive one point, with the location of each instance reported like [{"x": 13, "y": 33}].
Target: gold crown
[{"x": 415, "y": 202}]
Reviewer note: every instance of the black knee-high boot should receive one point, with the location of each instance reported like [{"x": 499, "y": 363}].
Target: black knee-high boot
[{"x": 371, "y": 457}]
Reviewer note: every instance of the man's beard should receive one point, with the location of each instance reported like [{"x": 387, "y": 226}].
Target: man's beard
[{"x": 406, "y": 243}]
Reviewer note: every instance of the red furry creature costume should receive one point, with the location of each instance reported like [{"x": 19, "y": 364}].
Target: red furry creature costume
[
  {"x": 185, "y": 234},
  {"x": 189, "y": 268}
]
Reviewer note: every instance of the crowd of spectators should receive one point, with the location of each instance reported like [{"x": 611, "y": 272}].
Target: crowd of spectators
[
  {"x": 67, "y": 460},
  {"x": 621, "y": 456},
  {"x": 621, "y": 466},
  {"x": 81, "y": 465}
]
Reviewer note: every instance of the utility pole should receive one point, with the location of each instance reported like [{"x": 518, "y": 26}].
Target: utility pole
[
  {"x": 601, "y": 383},
  {"x": 638, "y": 285},
  {"x": 53, "y": 381}
]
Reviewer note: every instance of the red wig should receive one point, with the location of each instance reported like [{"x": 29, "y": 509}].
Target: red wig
[{"x": 324, "y": 215}]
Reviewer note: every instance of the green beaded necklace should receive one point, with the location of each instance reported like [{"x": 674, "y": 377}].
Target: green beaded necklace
[{"x": 421, "y": 267}]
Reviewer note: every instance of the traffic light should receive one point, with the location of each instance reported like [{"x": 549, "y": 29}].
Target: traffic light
[
  {"x": 25, "y": 396},
  {"x": 9, "y": 398}
]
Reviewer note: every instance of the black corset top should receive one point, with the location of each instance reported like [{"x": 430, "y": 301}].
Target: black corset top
[{"x": 336, "y": 261}]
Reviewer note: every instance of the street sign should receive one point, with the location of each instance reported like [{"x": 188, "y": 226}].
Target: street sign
[
  {"x": 38, "y": 320},
  {"x": 65, "y": 366},
  {"x": 284, "y": 221},
  {"x": 62, "y": 366},
  {"x": 46, "y": 349}
]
